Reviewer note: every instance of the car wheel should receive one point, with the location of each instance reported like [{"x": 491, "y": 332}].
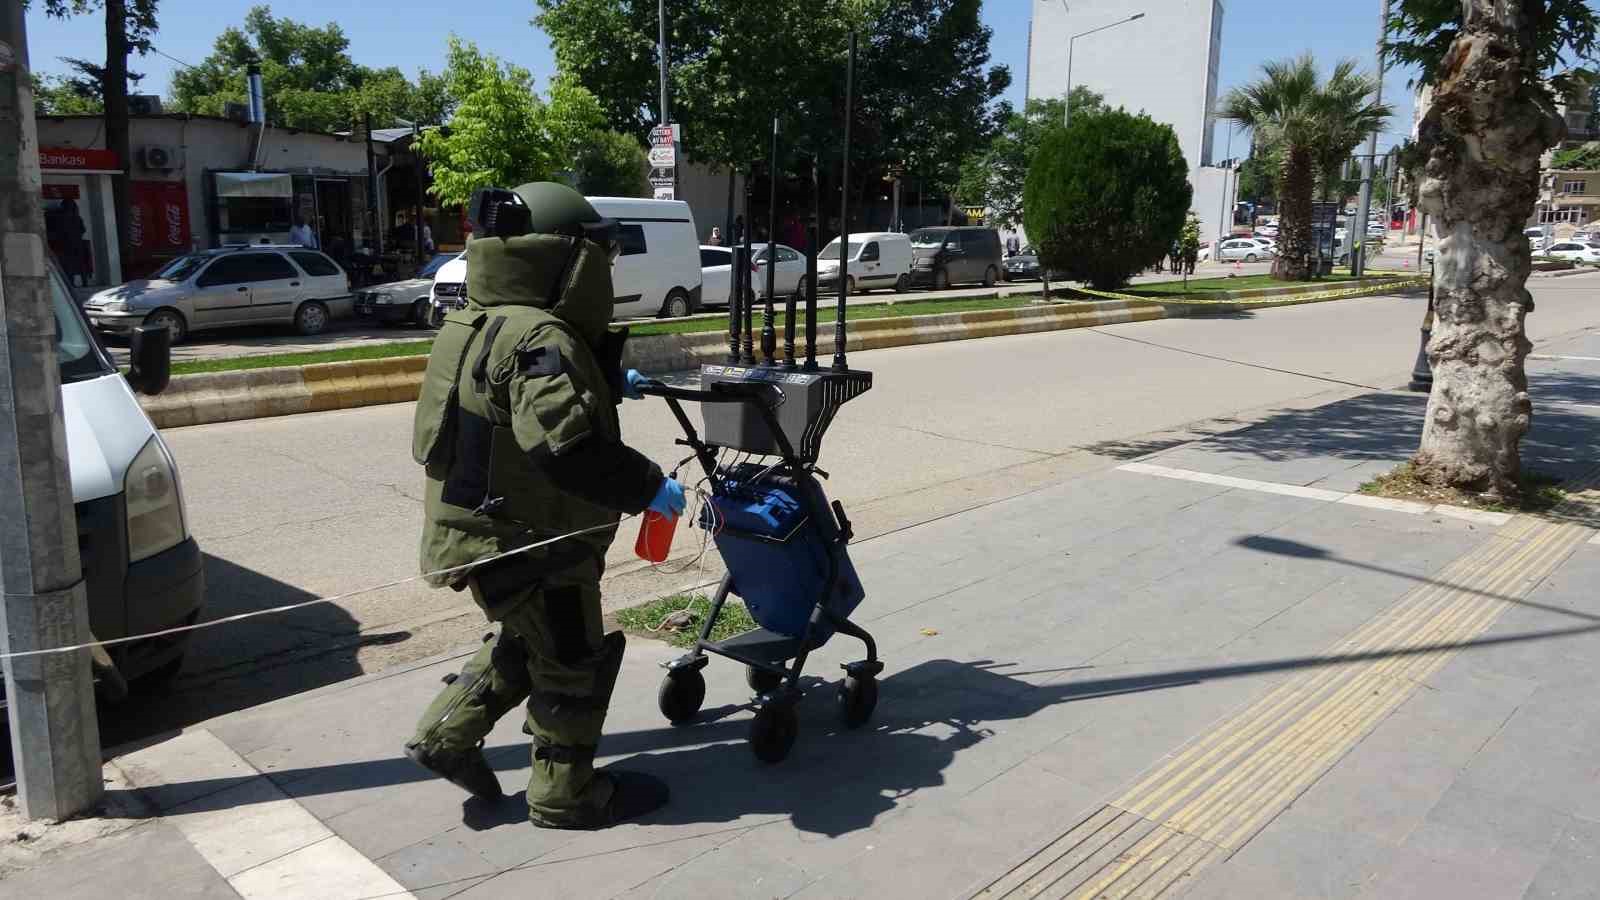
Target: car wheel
[
  {"x": 1250, "y": 257},
  {"x": 435, "y": 316},
  {"x": 311, "y": 318},
  {"x": 419, "y": 313},
  {"x": 941, "y": 280},
  {"x": 851, "y": 285},
  {"x": 172, "y": 321},
  {"x": 800, "y": 288},
  {"x": 676, "y": 305},
  {"x": 900, "y": 285},
  {"x": 989, "y": 277}
]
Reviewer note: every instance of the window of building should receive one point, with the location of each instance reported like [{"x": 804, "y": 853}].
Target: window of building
[
  {"x": 1573, "y": 187},
  {"x": 1573, "y": 214},
  {"x": 631, "y": 237}
]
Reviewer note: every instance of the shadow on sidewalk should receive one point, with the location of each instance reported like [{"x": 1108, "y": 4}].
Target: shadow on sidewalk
[{"x": 1387, "y": 427}]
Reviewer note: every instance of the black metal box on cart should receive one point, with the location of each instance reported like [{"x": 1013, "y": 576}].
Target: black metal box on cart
[{"x": 810, "y": 400}]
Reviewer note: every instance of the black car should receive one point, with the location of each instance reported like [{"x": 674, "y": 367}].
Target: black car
[
  {"x": 1023, "y": 266},
  {"x": 941, "y": 257}
]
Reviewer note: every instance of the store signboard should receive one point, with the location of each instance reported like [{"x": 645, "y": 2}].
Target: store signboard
[{"x": 76, "y": 159}]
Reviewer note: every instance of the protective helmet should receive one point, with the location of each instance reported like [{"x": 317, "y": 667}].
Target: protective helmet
[{"x": 556, "y": 209}]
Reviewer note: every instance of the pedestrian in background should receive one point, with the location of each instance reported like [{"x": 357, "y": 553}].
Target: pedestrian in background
[
  {"x": 715, "y": 239},
  {"x": 302, "y": 234}
]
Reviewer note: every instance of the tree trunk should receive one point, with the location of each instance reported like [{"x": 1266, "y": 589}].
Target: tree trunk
[
  {"x": 115, "y": 89},
  {"x": 1294, "y": 216},
  {"x": 1483, "y": 134}
]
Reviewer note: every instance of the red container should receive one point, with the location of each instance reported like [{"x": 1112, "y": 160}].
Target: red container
[{"x": 655, "y": 537}]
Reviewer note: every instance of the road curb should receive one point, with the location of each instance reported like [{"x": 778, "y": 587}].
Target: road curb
[{"x": 208, "y": 398}]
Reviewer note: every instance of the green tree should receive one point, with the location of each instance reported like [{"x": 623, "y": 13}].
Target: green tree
[
  {"x": 1299, "y": 117},
  {"x": 58, "y": 95},
  {"x": 611, "y": 164},
  {"x": 994, "y": 176},
  {"x": 503, "y": 133},
  {"x": 1490, "y": 119},
  {"x": 1349, "y": 115},
  {"x": 1258, "y": 182},
  {"x": 1585, "y": 157},
  {"x": 1106, "y": 197},
  {"x": 308, "y": 78}
]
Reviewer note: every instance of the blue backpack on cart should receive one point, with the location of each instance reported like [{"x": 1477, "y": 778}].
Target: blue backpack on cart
[{"x": 777, "y": 547}]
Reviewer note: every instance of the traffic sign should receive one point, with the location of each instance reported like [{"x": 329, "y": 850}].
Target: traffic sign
[
  {"x": 665, "y": 193},
  {"x": 663, "y": 156},
  {"x": 665, "y": 134}
]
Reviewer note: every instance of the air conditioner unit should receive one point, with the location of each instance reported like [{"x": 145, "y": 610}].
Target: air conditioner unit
[
  {"x": 144, "y": 105},
  {"x": 158, "y": 157}
]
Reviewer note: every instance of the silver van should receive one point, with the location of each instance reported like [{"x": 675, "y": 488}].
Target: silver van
[{"x": 255, "y": 284}]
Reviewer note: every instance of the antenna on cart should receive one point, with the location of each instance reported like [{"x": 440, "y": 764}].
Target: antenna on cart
[
  {"x": 769, "y": 338},
  {"x": 811, "y": 271},
  {"x": 749, "y": 355},
  {"x": 839, "y": 364}
]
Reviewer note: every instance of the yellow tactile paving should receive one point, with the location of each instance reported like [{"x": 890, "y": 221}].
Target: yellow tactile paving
[{"x": 1205, "y": 802}]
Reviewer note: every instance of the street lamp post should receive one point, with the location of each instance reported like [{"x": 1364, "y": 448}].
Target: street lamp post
[{"x": 1067, "y": 119}]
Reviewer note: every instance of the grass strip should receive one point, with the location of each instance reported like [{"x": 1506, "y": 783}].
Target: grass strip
[
  {"x": 651, "y": 619},
  {"x": 303, "y": 358},
  {"x": 1222, "y": 285},
  {"x": 682, "y": 326}
]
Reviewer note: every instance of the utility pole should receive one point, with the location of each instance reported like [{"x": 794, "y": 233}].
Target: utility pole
[
  {"x": 666, "y": 114},
  {"x": 1358, "y": 257},
  {"x": 55, "y": 739}
]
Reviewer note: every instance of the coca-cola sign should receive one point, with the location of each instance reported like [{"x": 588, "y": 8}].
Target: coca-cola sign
[{"x": 158, "y": 217}]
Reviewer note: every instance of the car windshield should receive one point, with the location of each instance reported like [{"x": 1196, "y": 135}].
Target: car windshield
[
  {"x": 76, "y": 352},
  {"x": 182, "y": 267},
  {"x": 435, "y": 264},
  {"x": 929, "y": 238},
  {"x": 831, "y": 251}
]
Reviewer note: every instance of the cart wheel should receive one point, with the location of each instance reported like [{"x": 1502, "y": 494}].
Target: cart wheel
[
  {"x": 760, "y": 680},
  {"x": 856, "y": 699},
  {"x": 681, "y": 694},
  {"x": 773, "y": 730}
]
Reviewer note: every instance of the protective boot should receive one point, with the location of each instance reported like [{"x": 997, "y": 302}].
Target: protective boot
[
  {"x": 449, "y": 737},
  {"x": 564, "y": 791}
]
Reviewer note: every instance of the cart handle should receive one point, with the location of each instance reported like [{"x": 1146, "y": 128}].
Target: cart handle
[{"x": 769, "y": 395}]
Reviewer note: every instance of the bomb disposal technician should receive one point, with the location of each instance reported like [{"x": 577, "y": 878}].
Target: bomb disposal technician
[{"x": 517, "y": 427}]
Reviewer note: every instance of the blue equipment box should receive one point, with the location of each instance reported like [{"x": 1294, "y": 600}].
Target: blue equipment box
[{"x": 774, "y": 534}]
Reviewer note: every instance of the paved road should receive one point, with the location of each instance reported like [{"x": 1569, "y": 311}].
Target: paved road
[
  {"x": 263, "y": 340},
  {"x": 296, "y": 507}
]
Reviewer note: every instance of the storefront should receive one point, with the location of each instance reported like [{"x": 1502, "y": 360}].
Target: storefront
[{"x": 79, "y": 217}]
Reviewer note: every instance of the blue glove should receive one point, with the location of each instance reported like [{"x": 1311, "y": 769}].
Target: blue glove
[
  {"x": 669, "y": 498},
  {"x": 630, "y": 384}
]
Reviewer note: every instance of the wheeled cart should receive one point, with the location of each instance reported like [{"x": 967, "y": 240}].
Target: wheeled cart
[{"x": 785, "y": 545}]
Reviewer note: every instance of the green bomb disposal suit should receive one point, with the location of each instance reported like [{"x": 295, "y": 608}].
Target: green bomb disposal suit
[{"x": 517, "y": 427}]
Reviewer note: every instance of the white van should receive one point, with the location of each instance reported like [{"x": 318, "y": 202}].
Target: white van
[
  {"x": 877, "y": 259},
  {"x": 143, "y": 571},
  {"x": 657, "y": 273}
]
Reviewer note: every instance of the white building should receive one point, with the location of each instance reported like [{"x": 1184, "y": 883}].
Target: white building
[{"x": 1163, "y": 64}]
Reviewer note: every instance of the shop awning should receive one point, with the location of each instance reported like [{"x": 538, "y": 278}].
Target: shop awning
[{"x": 255, "y": 184}]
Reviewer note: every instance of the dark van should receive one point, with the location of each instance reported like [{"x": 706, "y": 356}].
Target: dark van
[{"x": 941, "y": 257}]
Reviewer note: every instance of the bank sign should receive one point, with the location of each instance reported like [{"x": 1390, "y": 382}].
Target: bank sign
[{"x": 75, "y": 159}]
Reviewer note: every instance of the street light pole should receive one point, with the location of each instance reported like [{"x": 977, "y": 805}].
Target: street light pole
[
  {"x": 661, "y": 51},
  {"x": 1067, "y": 118},
  {"x": 55, "y": 738},
  {"x": 1358, "y": 260}
]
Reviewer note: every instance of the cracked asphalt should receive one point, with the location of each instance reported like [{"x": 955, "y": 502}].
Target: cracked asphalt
[{"x": 299, "y": 507}]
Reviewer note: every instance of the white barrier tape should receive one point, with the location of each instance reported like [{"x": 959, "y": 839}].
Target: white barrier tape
[{"x": 305, "y": 603}]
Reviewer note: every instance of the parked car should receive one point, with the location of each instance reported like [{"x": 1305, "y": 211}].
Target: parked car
[
  {"x": 1572, "y": 250},
  {"x": 254, "y": 284},
  {"x": 1244, "y": 249},
  {"x": 716, "y": 275},
  {"x": 877, "y": 259},
  {"x": 657, "y": 272},
  {"x": 403, "y": 301},
  {"x": 790, "y": 272},
  {"x": 941, "y": 257},
  {"x": 1024, "y": 266},
  {"x": 142, "y": 569},
  {"x": 1266, "y": 231}
]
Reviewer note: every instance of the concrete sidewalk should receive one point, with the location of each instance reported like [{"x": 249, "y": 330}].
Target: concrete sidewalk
[{"x": 1229, "y": 683}]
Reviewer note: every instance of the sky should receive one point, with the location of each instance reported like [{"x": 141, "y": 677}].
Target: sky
[{"x": 411, "y": 34}]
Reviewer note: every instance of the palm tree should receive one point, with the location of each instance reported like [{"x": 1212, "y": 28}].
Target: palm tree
[{"x": 1302, "y": 120}]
